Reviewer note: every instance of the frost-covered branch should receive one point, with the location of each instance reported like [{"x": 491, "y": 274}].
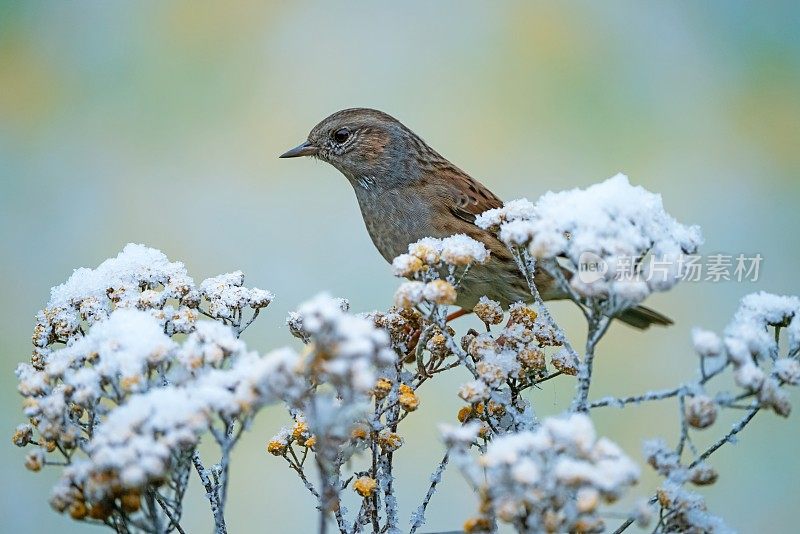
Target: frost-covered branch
[
  {"x": 418, "y": 518},
  {"x": 211, "y": 494},
  {"x": 597, "y": 328}
]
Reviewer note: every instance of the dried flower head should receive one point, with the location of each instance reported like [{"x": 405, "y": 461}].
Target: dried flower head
[
  {"x": 408, "y": 398},
  {"x": 365, "y": 486},
  {"x": 382, "y": 388},
  {"x": 488, "y": 311},
  {"x": 461, "y": 250},
  {"x": 407, "y": 265},
  {"x": 703, "y": 475},
  {"x": 389, "y": 441},
  {"x": 701, "y": 411},
  {"x": 22, "y": 435},
  {"x": 409, "y": 294},
  {"x": 565, "y": 361},
  {"x": 439, "y": 292},
  {"x": 427, "y": 250}
]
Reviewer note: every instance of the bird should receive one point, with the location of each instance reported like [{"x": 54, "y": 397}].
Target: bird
[{"x": 407, "y": 191}]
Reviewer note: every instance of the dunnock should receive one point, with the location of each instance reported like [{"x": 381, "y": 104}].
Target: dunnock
[{"x": 407, "y": 191}]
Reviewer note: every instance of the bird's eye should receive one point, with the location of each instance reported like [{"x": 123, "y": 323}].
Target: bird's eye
[{"x": 341, "y": 135}]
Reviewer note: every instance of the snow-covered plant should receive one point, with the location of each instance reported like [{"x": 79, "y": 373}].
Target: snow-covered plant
[
  {"x": 133, "y": 364},
  {"x": 639, "y": 246},
  {"x": 552, "y": 479},
  {"x": 607, "y": 247},
  {"x": 121, "y": 405},
  {"x": 344, "y": 357}
]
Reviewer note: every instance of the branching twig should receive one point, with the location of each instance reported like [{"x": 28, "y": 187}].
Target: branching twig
[
  {"x": 173, "y": 520},
  {"x": 598, "y": 326},
  {"x": 737, "y": 427},
  {"x": 211, "y": 494},
  {"x": 419, "y": 519}
]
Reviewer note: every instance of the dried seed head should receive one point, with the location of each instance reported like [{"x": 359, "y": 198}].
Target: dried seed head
[
  {"x": 531, "y": 359},
  {"x": 587, "y": 500},
  {"x": 703, "y": 475},
  {"x": 408, "y": 399},
  {"x": 565, "y": 362},
  {"x": 409, "y": 294},
  {"x": 467, "y": 339},
  {"x": 464, "y": 413},
  {"x": 365, "y": 486},
  {"x": 490, "y": 373},
  {"x": 131, "y": 501},
  {"x": 496, "y": 409},
  {"x": 488, "y": 311},
  {"x": 407, "y": 265},
  {"x": 359, "y": 432},
  {"x": 78, "y": 511},
  {"x": 382, "y": 388},
  {"x": 300, "y": 430},
  {"x": 437, "y": 345},
  {"x": 522, "y": 314},
  {"x": 34, "y": 460},
  {"x": 100, "y": 510},
  {"x": 427, "y": 250},
  {"x": 22, "y": 435},
  {"x": 277, "y": 447},
  {"x": 389, "y": 441},
  {"x": 477, "y": 525},
  {"x": 701, "y": 411},
  {"x": 481, "y": 345},
  {"x": 474, "y": 391},
  {"x": 440, "y": 292}
]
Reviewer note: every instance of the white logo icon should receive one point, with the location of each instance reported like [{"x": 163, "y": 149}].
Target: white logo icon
[{"x": 591, "y": 267}]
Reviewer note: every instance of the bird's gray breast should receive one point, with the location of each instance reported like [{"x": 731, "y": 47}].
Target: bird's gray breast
[{"x": 393, "y": 217}]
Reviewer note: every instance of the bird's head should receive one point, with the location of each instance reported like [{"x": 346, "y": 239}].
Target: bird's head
[{"x": 364, "y": 144}]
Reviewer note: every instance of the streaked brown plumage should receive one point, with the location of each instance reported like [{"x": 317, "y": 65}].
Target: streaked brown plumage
[{"x": 407, "y": 191}]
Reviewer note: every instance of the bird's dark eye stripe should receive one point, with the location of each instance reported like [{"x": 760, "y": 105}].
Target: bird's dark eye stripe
[{"x": 341, "y": 135}]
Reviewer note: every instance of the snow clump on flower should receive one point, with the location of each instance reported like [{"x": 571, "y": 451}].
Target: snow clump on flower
[
  {"x": 613, "y": 223},
  {"x": 552, "y": 479}
]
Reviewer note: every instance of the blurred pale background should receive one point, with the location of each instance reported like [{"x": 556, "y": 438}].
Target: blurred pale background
[{"x": 161, "y": 123}]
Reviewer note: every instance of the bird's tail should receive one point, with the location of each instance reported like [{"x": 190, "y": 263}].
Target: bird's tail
[{"x": 641, "y": 317}]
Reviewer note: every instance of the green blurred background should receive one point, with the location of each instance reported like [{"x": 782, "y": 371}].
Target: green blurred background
[{"x": 161, "y": 122}]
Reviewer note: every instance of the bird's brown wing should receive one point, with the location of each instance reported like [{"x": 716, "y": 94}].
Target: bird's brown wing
[{"x": 470, "y": 198}]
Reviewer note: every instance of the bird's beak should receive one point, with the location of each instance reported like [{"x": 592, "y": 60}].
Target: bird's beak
[{"x": 305, "y": 149}]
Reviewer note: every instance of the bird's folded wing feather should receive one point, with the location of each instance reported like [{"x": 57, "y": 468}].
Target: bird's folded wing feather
[{"x": 469, "y": 197}]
